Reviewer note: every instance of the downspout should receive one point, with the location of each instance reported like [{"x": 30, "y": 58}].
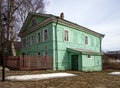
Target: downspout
[
  {"x": 56, "y": 45},
  {"x": 100, "y": 45}
]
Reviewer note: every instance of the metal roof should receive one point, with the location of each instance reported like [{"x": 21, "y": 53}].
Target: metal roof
[{"x": 84, "y": 51}]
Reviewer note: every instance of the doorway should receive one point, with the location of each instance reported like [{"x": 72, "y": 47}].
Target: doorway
[{"x": 74, "y": 62}]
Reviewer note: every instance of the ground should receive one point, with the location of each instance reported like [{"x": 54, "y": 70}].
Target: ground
[{"x": 82, "y": 80}]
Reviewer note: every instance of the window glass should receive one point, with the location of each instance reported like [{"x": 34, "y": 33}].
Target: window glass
[
  {"x": 86, "y": 39},
  {"x": 38, "y": 37},
  {"x": 89, "y": 56},
  {"x": 45, "y": 35},
  {"x": 66, "y": 38}
]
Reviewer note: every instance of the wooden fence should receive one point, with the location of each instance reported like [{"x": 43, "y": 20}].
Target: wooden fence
[{"x": 28, "y": 62}]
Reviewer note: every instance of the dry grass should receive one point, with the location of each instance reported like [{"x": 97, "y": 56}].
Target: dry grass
[
  {"x": 83, "y": 80},
  {"x": 111, "y": 66}
]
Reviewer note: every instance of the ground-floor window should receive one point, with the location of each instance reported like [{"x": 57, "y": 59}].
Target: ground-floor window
[
  {"x": 38, "y": 53},
  {"x": 89, "y": 56},
  {"x": 46, "y": 53}
]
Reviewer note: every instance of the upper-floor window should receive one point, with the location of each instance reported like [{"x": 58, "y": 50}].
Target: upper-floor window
[
  {"x": 32, "y": 39},
  {"x": 29, "y": 41},
  {"x": 45, "y": 35},
  {"x": 86, "y": 39},
  {"x": 24, "y": 42},
  {"x": 38, "y": 37},
  {"x": 66, "y": 35}
]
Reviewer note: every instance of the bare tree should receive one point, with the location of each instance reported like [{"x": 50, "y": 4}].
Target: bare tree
[{"x": 16, "y": 12}]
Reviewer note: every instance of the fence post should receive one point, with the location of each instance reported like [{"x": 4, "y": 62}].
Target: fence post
[{"x": 18, "y": 63}]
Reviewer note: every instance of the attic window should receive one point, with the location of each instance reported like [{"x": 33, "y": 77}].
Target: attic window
[{"x": 33, "y": 22}]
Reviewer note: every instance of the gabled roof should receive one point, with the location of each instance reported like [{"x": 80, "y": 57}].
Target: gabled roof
[
  {"x": 29, "y": 17},
  {"x": 53, "y": 18}
]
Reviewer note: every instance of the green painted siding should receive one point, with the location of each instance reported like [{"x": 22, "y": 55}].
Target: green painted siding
[
  {"x": 76, "y": 40},
  {"x": 33, "y": 47},
  {"x": 37, "y": 20},
  {"x": 92, "y": 64},
  {"x": 56, "y": 46}
]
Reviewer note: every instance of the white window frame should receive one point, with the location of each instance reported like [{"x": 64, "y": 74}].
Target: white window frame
[
  {"x": 89, "y": 56},
  {"x": 66, "y": 35},
  {"x": 86, "y": 40},
  {"x": 44, "y": 35}
]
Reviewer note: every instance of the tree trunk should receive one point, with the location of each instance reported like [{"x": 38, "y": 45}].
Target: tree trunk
[
  {"x": 11, "y": 30},
  {"x": 13, "y": 48}
]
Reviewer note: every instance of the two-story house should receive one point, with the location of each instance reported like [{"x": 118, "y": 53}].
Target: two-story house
[{"x": 72, "y": 47}]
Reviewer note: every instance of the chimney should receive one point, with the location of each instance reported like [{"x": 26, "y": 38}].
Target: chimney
[{"x": 62, "y": 15}]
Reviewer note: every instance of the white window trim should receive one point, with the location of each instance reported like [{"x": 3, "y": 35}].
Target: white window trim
[
  {"x": 87, "y": 40},
  {"x": 64, "y": 35},
  {"x": 90, "y": 56},
  {"x": 43, "y": 35}
]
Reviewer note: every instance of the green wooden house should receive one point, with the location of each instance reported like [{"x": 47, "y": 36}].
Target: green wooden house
[{"x": 72, "y": 47}]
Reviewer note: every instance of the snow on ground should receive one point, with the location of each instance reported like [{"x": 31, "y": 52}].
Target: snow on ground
[
  {"x": 115, "y": 73},
  {"x": 38, "y": 76}
]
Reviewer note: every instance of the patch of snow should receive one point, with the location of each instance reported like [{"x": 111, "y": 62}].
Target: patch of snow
[
  {"x": 115, "y": 73},
  {"x": 118, "y": 60},
  {"x": 38, "y": 76},
  {"x": 6, "y": 69}
]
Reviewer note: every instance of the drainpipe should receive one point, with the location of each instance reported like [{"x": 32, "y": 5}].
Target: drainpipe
[
  {"x": 100, "y": 45},
  {"x": 56, "y": 45}
]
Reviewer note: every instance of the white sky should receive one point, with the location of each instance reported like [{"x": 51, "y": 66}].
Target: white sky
[{"x": 102, "y": 16}]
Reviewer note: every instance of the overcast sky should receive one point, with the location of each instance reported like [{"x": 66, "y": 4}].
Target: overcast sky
[{"x": 102, "y": 16}]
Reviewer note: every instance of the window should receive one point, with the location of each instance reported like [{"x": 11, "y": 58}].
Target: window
[
  {"x": 24, "y": 42},
  {"x": 32, "y": 39},
  {"x": 46, "y": 53},
  {"x": 45, "y": 37},
  {"x": 33, "y": 22},
  {"x": 89, "y": 56},
  {"x": 86, "y": 39},
  {"x": 38, "y": 53},
  {"x": 38, "y": 37},
  {"x": 66, "y": 35},
  {"x": 29, "y": 41}
]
